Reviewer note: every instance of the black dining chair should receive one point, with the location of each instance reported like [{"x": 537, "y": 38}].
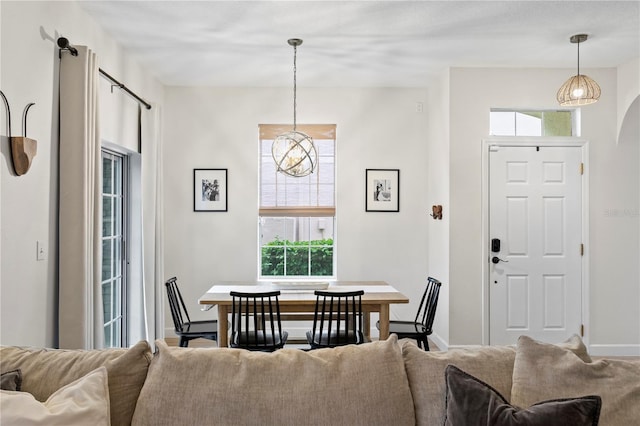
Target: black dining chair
[
  {"x": 255, "y": 321},
  {"x": 187, "y": 330},
  {"x": 337, "y": 319},
  {"x": 421, "y": 327}
]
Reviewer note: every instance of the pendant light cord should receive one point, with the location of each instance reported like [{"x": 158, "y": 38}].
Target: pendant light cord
[{"x": 578, "y": 59}]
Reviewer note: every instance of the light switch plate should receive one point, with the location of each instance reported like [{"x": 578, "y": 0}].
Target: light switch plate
[{"x": 41, "y": 250}]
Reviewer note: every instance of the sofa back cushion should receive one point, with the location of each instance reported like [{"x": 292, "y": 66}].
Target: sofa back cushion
[
  {"x": 426, "y": 372},
  {"x": 44, "y": 371},
  {"x": 491, "y": 364},
  {"x": 544, "y": 371},
  {"x": 472, "y": 402},
  {"x": 356, "y": 385}
]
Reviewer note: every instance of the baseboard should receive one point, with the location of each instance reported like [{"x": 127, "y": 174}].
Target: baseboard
[
  {"x": 439, "y": 342},
  {"x": 594, "y": 350},
  {"x": 614, "y": 350}
]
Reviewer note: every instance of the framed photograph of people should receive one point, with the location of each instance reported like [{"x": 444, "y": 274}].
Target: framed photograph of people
[
  {"x": 210, "y": 190},
  {"x": 382, "y": 190}
]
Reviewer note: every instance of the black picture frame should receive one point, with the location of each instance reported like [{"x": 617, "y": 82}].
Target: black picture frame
[
  {"x": 209, "y": 190},
  {"x": 382, "y": 193}
]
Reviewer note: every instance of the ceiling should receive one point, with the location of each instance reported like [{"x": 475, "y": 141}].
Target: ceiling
[{"x": 362, "y": 43}]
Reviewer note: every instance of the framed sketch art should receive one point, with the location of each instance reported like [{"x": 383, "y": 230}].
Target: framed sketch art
[
  {"x": 210, "y": 190},
  {"x": 382, "y": 190}
]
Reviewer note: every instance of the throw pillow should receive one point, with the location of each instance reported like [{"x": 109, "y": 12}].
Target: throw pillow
[
  {"x": 543, "y": 371},
  {"x": 47, "y": 370},
  {"x": 472, "y": 402},
  {"x": 11, "y": 380},
  {"x": 85, "y": 401}
]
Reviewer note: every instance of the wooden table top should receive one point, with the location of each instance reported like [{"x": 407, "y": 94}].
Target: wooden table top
[{"x": 375, "y": 292}]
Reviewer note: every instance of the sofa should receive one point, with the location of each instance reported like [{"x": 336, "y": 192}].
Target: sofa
[{"x": 380, "y": 383}]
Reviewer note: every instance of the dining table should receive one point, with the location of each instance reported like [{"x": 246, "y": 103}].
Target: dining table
[{"x": 299, "y": 298}]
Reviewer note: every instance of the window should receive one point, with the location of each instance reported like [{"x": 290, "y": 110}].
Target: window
[
  {"x": 531, "y": 123},
  {"x": 114, "y": 177},
  {"x": 297, "y": 215}
]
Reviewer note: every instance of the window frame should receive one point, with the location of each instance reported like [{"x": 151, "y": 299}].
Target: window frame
[
  {"x": 279, "y": 207},
  {"x": 574, "y": 114},
  {"x": 119, "y": 241}
]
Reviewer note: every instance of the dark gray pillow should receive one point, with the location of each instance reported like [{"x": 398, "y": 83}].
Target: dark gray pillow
[
  {"x": 11, "y": 380},
  {"x": 470, "y": 401}
]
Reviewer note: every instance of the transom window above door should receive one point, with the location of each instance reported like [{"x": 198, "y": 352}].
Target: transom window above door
[{"x": 505, "y": 122}]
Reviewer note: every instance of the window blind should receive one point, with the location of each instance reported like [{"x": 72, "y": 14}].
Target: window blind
[{"x": 309, "y": 196}]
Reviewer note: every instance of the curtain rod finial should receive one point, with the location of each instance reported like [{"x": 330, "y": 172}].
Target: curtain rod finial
[{"x": 63, "y": 43}]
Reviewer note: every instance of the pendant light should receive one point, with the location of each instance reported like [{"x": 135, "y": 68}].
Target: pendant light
[
  {"x": 294, "y": 152},
  {"x": 579, "y": 89}
]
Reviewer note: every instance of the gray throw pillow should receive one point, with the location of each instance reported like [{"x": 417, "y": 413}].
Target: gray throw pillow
[
  {"x": 11, "y": 380},
  {"x": 469, "y": 401}
]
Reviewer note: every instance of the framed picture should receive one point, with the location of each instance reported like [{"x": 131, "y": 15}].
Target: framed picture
[
  {"x": 210, "y": 190},
  {"x": 382, "y": 190}
]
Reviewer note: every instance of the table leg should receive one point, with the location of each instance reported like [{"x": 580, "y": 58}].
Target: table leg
[
  {"x": 384, "y": 322},
  {"x": 366, "y": 324},
  {"x": 223, "y": 326}
]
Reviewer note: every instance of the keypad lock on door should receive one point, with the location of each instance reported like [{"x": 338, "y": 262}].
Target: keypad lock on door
[{"x": 495, "y": 248}]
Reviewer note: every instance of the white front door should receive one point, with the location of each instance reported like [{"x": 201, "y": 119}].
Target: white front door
[{"x": 535, "y": 233}]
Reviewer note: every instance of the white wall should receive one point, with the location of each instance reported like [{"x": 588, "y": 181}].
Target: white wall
[
  {"x": 28, "y": 204},
  {"x": 218, "y": 128},
  {"x": 628, "y": 87},
  {"x": 437, "y": 189},
  {"x": 614, "y": 317}
]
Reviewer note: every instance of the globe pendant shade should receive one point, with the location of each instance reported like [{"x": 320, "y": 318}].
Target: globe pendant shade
[{"x": 294, "y": 154}]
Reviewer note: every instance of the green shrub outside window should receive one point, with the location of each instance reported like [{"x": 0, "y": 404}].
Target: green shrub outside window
[{"x": 303, "y": 258}]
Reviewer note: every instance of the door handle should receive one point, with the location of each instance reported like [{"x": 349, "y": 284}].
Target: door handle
[{"x": 496, "y": 259}]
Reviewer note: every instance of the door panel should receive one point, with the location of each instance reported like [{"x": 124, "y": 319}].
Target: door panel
[
  {"x": 517, "y": 226},
  {"x": 554, "y": 301},
  {"x": 535, "y": 209},
  {"x": 518, "y": 302}
]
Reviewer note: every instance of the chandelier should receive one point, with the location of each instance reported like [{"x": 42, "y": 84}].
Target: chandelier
[
  {"x": 294, "y": 152},
  {"x": 579, "y": 89}
]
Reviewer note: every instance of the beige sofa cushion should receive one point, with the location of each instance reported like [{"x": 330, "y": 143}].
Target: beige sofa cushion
[
  {"x": 543, "y": 371},
  {"x": 491, "y": 364},
  {"x": 44, "y": 371},
  {"x": 425, "y": 370},
  {"x": 354, "y": 385}
]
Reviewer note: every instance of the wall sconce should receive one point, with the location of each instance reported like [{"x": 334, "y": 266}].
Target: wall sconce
[
  {"x": 436, "y": 212},
  {"x": 23, "y": 149}
]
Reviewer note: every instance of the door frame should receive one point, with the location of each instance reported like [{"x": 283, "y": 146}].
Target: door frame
[{"x": 521, "y": 141}]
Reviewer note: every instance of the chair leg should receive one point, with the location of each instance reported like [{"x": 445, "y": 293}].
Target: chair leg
[
  {"x": 419, "y": 342},
  {"x": 425, "y": 342},
  {"x": 184, "y": 342}
]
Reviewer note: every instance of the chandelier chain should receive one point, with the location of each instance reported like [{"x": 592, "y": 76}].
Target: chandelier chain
[{"x": 295, "y": 52}]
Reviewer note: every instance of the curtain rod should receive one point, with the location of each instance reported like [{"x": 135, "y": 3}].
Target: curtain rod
[{"x": 63, "y": 44}]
